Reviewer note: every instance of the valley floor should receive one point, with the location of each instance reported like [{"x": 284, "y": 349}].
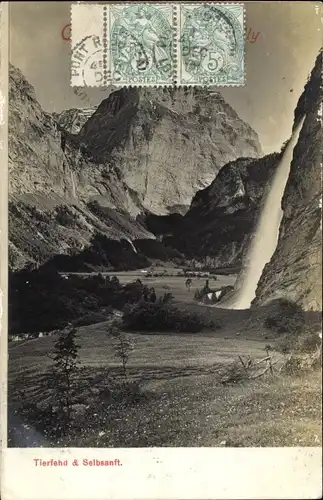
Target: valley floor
[{"x": 184, "y": 399}]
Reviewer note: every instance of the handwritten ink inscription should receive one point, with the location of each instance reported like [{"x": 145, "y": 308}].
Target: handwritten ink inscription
[{"x": 251, "y": 35}]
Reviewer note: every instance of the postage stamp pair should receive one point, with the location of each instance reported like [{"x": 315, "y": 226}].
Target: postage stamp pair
[{"x": 163, "y": 44}]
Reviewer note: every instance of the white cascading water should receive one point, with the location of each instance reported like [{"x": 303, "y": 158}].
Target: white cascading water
[
  {"x": 73, "y": 184},
  {"x": 266, "y": 237},
  {"x": 132, "y": 245}
]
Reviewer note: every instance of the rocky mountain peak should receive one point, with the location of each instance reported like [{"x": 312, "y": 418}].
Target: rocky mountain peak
[{"x": 167, "y": 143}]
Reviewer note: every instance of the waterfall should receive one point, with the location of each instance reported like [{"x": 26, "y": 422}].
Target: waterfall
[
  {"x": 265, "y": 240},
  {"x": 73, "y": 184},
  {"x": 132, "y": 245}
]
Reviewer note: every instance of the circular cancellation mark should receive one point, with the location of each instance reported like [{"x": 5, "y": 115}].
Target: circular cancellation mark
[{"x": 87, "y": 62}]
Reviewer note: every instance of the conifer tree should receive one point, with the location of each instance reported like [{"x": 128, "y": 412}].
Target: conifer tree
[{"x": 65, "y": 367}]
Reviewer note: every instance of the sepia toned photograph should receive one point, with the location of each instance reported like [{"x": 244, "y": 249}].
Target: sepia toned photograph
[{"x": 165, "y": 253}]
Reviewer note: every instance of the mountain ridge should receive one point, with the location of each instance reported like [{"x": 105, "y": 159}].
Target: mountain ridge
[{"x": 56, "y": 175}]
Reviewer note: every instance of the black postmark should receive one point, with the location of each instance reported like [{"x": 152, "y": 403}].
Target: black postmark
[{"x": 87, "y": 62}]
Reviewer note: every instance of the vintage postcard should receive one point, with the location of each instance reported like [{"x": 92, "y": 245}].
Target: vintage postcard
[{"x": 161, "y": 250}]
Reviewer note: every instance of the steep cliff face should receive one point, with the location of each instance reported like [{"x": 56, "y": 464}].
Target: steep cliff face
[
  {"x": 73, "y": 120},
  {"x": 44, "y": 159},
  {"x": 295, "y": 270},
  {"x": 218, "y": 225},
  {"x": 52, "y": 185},
  {"x": 167, "y": 144}
]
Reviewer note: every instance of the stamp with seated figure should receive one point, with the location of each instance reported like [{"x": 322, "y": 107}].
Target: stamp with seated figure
[
  {"x": 123, "y": 44},
  {"x": 211, "y": 44},
  {"x": 157, "y": 44},
  {"x": 141, "y": 44}
]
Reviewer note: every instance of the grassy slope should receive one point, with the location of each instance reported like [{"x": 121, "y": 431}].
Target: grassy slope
[
  {"x": 181, "y": 374},
  {"x": 196, "y": 411}
]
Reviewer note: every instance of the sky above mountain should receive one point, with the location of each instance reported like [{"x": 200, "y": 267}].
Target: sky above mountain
[{"x": 278, "y": 61}]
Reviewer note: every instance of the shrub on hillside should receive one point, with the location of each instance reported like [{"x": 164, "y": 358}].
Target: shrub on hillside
[
  {"x": 289, "y": 319},
  {"x": 166, "y": 298},
  {"x": 160, "y": 317},
  {"x": 292, "y": 366},
  {"x": 309, "y": 343},
  {"x": 123, "y": 345},
  {"x": 305, "y": 343},
  {"x": 297, "y": 364},
  {"x": 129, "y": 392},
  {"x": 303, "y": 352}
]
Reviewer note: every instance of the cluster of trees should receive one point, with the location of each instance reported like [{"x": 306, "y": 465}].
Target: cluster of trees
[
  {"x": 161, "y": 316},
  {"x": 60, "y": 300},
  {"x": 289, "y": 318},
  {"x": 81, "y": 300}
]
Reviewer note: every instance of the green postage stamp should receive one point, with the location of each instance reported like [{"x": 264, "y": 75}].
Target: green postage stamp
[
  {"x": 158, "y": 44},
  {"x": 211, "y": 48},
  {"x": 141, "y": 41}
]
